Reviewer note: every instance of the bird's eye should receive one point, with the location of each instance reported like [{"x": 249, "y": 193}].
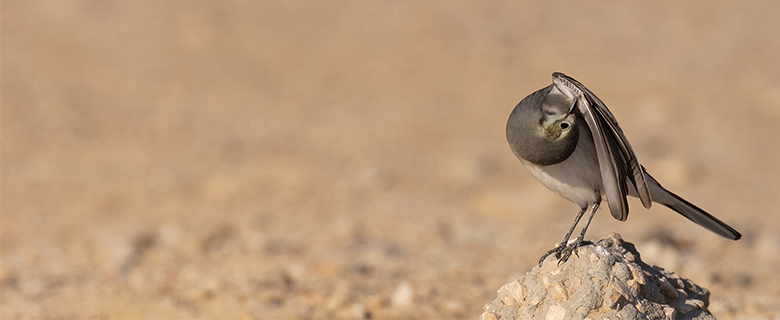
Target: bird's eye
[{"x": 564, "y": 125}]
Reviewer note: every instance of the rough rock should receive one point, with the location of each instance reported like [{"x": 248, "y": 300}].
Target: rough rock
[{"x": 603, "y": 280}]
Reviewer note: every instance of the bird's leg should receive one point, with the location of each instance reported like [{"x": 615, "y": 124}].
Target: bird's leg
[
  {"x": 566, "y": 253},
  {"x": 557, "y": 250}
]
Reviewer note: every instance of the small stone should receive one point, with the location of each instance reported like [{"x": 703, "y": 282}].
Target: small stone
[
  {"x": 633, "y": 284},
  {"x": 629, "y": 311},
  {"x": 488, "y": 316},
  {"x": 637, "y": 273},
  {"x": 611, "y": 300},
  {"x": 550, "y": 266},
  {"x": 621, "y": 271},
  {"x": 556, "y": 312},
  {"x": 580, "y": 252},
  {"x": 575, "y": 285},
  {"x": 509, "y": 301},
  {"x": 403, "y": 295},
  {"x": 546, "y": 281},
  {"x": 690, "y": 305},
  {"x": 670, "y": 313},
  {"x": 620, "y": 287},
  {"x": 514, "y": 289},
  {"x": 668, "y": 290},
  {"x": 614, "y": 297},
  {"x": 629, "y": 257},
  {"x": 559, "y": 292},
  {"x": 697, "y": 302}
]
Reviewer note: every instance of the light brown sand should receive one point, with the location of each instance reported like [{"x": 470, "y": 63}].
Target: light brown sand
[{"x": 292, "y": 159}]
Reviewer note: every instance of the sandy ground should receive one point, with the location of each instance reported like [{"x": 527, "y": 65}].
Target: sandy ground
[{"x": 347, "y": 159}]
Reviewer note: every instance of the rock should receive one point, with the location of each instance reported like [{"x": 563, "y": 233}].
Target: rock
[
  {"x": 403, "y": 295},
  {"x": 604, "y": 280}
]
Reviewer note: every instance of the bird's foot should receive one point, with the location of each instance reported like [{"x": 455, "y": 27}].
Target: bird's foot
[
  {"x": 568, "y": 250},
  {"x": 563, "y": 251},
  {"x": 555, "y": 250}
]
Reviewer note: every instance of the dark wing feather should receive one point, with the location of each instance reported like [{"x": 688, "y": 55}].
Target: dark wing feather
[
  {"x": 616, "y": 157},
  {"x": 610, "y": 164},
  {"x": 638, "y": 176}
]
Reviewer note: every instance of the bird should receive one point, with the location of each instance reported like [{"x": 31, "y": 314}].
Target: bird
[{"x": 569, "y": 141}]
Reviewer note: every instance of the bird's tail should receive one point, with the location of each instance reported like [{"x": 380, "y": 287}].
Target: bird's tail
[{"x": 690, "y": 211}]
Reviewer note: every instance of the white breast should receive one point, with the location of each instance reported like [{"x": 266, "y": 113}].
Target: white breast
[{"x": 577, "y": 178}]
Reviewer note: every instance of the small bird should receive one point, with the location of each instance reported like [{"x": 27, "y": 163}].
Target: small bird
[{"x": 569, "y": 141}]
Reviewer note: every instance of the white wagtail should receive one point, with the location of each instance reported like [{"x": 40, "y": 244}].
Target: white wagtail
[{"x": 570, "y": 142}]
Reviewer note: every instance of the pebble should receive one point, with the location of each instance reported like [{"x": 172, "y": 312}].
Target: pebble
[
  {"x": 515, "y": 289},
  {"x": 671, "y": 313},
  {"x": 550, "y": 266},
  {"x": 403, "y": 295},
  {"x": 620, "y": 287},
  {"x": 690, "y": 305},
  {"x": 575, "y": 285},
  {"x": 637, "y": 273},
  {"x": 630, "y": 257},
  {"x": 510, "y": 301},
  {"x": 668, "y": 290},
  {"x": 559, "y": 292},
  {"x": 556, "y": 312},
  {"x": 488, "y": 316}
]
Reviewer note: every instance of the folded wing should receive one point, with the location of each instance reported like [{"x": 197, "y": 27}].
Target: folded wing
[{"x": 617, "y": 160}]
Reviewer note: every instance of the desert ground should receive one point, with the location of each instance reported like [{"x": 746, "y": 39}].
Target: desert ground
[{"x": 348, "y": 159}]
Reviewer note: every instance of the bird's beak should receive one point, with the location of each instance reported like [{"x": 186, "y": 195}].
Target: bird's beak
[{"x": 571, "y": 108}]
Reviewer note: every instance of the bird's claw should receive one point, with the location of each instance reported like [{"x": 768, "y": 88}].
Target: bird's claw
[{"x": 562, "y": 252}]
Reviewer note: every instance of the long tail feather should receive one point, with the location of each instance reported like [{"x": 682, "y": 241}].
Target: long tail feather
[{"x": 690, "y": 211}]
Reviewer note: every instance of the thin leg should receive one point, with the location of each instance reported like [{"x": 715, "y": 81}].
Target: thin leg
[
  {"x": 563, "y": 243},
  {"x": 590, "y": 218},
  {"x": 576, "y": 222},
  {"x": 569, "y": 249}
]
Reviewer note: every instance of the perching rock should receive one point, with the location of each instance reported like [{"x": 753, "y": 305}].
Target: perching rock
[{"x": 604, "y": 280}]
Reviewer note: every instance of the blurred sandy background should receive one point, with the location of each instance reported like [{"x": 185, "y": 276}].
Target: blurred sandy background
[{"x": 347, "y": 159}]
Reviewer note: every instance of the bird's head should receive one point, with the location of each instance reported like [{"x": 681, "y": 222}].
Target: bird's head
[
  {"x": 557, "y": 118},
  {"x": 543, "y": 127}
]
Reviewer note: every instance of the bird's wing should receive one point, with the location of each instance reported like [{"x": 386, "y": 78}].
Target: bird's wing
[{"x": 616, "y": 157}]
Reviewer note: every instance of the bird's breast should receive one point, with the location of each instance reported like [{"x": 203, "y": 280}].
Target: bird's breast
[{"x": 578, "y": 178}]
